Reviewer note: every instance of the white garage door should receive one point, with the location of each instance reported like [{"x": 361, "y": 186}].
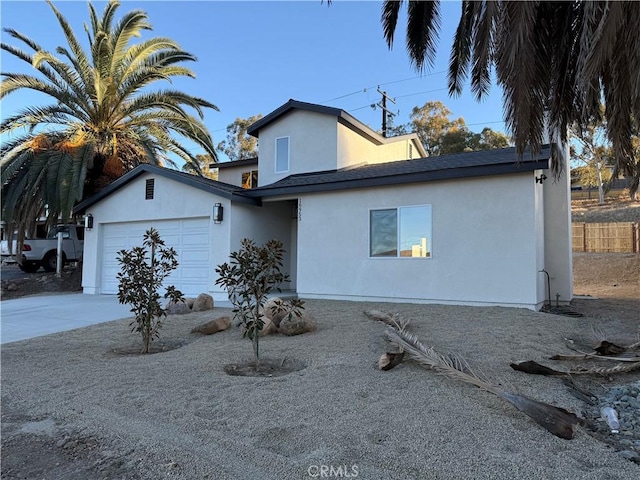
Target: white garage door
[{"x": 189, "y": 237}]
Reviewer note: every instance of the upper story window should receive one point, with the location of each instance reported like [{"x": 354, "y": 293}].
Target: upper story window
[
  {"x": 282, "y": 154},
  {"x": 250, "y": 179},
  {"x": 400, "y": 232}
]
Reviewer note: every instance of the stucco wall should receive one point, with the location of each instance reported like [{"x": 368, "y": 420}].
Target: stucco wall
[
  {"x": 233, "y": 175},
  {"x": 485, "y": 245},
  {"x": 312, "y": 145},
  {"x": 261, "y": 224},
  {"x": 557, "y": 227},
  {"x": 354, "y": 149},
  {"x": 171, "y": 200}
]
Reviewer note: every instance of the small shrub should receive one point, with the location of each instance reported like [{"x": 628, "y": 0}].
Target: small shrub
[
  {"x": 143, "y": 269},
  {"x": 249, "y": 277}
]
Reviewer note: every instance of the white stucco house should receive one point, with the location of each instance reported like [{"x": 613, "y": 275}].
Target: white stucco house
[{"x": 362, "y": 217}]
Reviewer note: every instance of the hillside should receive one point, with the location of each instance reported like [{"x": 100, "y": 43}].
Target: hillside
[{"x": 614, "y": 210}]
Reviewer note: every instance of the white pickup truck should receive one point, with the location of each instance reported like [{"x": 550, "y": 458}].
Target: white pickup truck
[{"x": 42, "y": 252}]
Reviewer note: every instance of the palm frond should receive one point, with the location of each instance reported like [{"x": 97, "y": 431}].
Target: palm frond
[
  {"x": 389, "y": 18},
  {"x": 423, "y": 25}
]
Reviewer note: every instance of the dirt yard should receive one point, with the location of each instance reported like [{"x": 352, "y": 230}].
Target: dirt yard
[{"x": 34, "y": 446}]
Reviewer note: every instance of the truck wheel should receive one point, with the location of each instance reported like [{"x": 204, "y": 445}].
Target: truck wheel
[
  {"x": 29, "y": 267},
  {"x": 49, "y": 261}
]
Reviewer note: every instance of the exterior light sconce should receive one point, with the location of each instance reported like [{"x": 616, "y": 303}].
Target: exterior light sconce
[
  {"x": 541, "y": 178},
  {"x": 218, "y": 211},
  {"x": 88, "y": 222}
]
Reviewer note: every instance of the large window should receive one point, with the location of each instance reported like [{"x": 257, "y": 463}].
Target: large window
[
  {"x": 400, "y": 232},
  {"x": 282, "y": 154}
]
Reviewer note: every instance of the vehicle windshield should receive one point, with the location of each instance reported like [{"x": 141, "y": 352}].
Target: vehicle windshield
[{"x": 53, "y": 233}]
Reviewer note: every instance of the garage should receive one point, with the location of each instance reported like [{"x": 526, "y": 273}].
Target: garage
[{"x": 188, "y": 236}]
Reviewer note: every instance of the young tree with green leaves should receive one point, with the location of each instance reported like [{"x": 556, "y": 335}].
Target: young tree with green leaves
[
  {"x": 143, "y": 271},
  {"x": 106, "y": 114},
  {"x": 249, "y": 277}
]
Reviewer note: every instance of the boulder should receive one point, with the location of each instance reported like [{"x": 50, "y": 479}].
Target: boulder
[
  {"x": 177, "y": 308},
  {"x": 190, "y": 301},
  {"x": 297, "y": 325},
  {"x": 214, "y": 326},
  {"x": 203, "y": 303},
  {"x": 268, "y": 327},
  {"x": 271, "y": 311}
]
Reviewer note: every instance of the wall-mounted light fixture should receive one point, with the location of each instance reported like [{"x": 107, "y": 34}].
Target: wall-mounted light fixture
[
  {"x": 218, "y": 212},
  {"x": 88, "y": 221},
  {"x": 541, "y": 178}
]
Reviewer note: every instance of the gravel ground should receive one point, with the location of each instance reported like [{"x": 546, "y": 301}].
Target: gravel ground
[{"x": 91, "y": 413}]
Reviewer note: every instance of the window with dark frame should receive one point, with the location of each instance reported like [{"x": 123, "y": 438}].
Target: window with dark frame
[
  {"x": 400, "y": 232},
  {"x": 250, "y": 179}
]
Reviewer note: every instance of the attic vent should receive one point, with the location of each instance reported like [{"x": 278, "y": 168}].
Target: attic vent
[
  {"x": 410, "y": 151},
  {"x": 148, "y": 190}
]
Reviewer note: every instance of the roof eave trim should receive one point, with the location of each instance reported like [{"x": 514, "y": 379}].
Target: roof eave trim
[{"x": 419, "y": 177}]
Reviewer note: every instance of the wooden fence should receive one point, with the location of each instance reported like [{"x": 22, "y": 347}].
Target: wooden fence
[{"x": 618, "y": 237}]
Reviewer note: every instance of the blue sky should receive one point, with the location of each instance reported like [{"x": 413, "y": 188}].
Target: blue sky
[{"x": 254, "y": 56}]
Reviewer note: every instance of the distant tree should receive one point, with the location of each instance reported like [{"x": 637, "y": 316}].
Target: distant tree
[
  {"x": 440, "y": 135},
  {"x": 431, "y": 122},
  {"x": 592, "y": 151},
  {"x": 238, "y": 144},
  {"x": 204, "y": 167}
]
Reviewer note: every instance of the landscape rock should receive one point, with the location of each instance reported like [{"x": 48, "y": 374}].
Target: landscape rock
[
  {"x": 203, "y": 303},
  {"x": 177, "y": 308},
  {"x": 190, "y": 301},
  {"x": 12, "y": 287},
  {"x": 270, "y": 310},
  {"x": 214, "y": 326},
  {"x": 297, "y": 325},
  {"x": 268, "y": 328}
]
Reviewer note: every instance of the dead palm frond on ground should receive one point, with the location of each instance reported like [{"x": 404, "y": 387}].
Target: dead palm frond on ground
[{"x": 557, "y": 420}]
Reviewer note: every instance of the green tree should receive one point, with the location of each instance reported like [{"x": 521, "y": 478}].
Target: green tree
[
  {"x": 238, "y": 144},
  {"x": 440, "y": 135},
  {"x": 203, "y": 167},
  {"x": 143, "y": 270},
  {"x": 252, "y": 273},
  {"x": 592, "y": 151},
  {"x": 553, "y": 60},
  {"x": 104, "y": 117}
]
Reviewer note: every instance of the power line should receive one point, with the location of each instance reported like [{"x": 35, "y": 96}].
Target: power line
[{"x": 364, "y": 90}]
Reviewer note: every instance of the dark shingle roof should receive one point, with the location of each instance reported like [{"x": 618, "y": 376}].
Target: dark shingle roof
[
  {"x": 235, "y": 163},
  {"x": 221, "y": 189},
  {"x": 342, "y": 116},
  {"x": 461, "y": 165}
]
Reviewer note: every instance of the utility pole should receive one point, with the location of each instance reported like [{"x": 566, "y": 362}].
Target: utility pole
[{"x": 383, "y": 105}]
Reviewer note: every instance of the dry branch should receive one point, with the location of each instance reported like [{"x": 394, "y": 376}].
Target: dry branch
[
  {"x": 558, "y": 421},
  {"x": 535, "y": 368}
]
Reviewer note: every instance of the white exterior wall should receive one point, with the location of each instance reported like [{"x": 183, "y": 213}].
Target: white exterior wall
[
  {"x": 272, "y": 221},
  {"x": 485, "y": 245},
  {"x": 233, "y": 175},
  {"x": 557, "y": 227},
  {"x": 312, "y": 145},
  {"x": 172, "y": 200},
  {"x": 353, "y": 149}
]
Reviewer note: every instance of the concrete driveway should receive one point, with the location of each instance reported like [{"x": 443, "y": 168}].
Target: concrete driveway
[{"x": 29, "y": 317}]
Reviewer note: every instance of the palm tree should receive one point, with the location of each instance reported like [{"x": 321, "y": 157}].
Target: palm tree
[
  {"x": 556, "y": 63},
  {"x": 103, "y": 119}
]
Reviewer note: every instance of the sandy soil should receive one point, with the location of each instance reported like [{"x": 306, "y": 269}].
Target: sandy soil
[{"x": 73, "y": 409}]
